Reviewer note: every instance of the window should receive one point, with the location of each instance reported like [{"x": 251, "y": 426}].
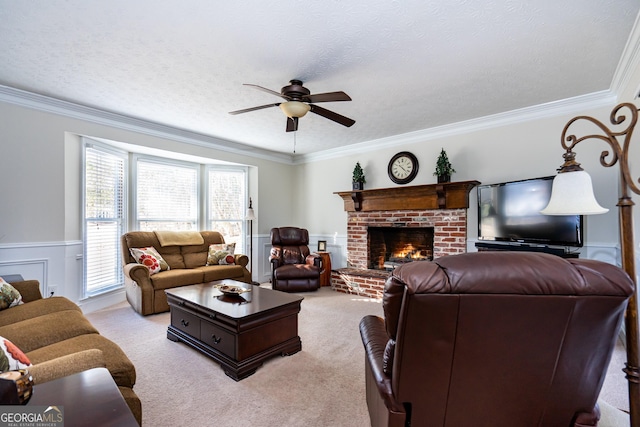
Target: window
[
  {"x": 166, "y": 195},
  {"x": 226, "y": 204},
  {"x": 104, "y": 218}
]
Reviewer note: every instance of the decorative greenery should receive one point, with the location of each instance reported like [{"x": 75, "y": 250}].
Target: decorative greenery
[
  {"x": 358, "y": 174},
  {"x": 443, "y": 167}
]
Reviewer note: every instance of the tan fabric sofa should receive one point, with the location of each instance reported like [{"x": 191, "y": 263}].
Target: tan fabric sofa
[
  {"x": 59, "y": 341},
  {"x": 187, "y": 264}
]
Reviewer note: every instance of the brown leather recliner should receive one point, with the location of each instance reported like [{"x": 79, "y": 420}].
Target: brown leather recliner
[
  {"x": 493, "y": 339},
  {"x": 293, "y": 267}
]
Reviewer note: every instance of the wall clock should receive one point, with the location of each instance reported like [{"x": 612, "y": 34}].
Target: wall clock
[{"x": 403, "y": 167}]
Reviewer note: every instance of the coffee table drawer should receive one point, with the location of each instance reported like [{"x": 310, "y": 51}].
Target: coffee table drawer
[
  {"x": 187, "y": 322},
  {"x": 218, "y": 338}
]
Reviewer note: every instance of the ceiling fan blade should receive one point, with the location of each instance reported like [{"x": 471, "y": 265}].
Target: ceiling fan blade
[
  {"x": 327, "y": 97},
  {"x": 292, "y": 124},
  {"x": 345, "y": 121},
  {"x": 246, "y": 110},
  {"x": 264, "y": 89}
]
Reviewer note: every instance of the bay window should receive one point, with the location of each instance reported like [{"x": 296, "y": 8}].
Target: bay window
[{"x": 159, "y": 194}]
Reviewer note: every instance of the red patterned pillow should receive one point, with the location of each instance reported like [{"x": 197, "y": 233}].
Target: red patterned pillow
[
  {"x": 149, "y": 257},
  {"x": 11, "y": 357},
  {"x": 219, "y": 251}
]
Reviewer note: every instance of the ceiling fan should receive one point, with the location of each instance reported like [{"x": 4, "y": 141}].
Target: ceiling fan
[{"x": 299, "y": 101}]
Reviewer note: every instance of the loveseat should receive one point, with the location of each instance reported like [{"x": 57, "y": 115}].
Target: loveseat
[
  {"x": 186, "y": 255},
  {"x": 493, "y": 339},
  {"x": 58, "y": 340}
]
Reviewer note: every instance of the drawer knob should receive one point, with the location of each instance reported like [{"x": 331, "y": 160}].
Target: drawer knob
[
  {"x": 185, "y": 323},
  {"x": 216, "y": 339},
  {"x": 180, "y": 303}
]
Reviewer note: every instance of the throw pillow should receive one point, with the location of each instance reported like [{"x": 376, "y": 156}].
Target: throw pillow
[
  {"x": 151, "y": 258},
  {"x": 9, "y": 296},
  {"x": 219, "y": 251},
  {"x": 11, "y": 357}
]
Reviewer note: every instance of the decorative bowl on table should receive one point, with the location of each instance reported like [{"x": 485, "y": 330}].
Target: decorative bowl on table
[{"x": 232, "y": 289}]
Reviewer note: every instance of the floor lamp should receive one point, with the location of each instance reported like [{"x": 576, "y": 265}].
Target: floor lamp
[
  {"x": 572, "y": 194},
  {"x": 250, "y": 216}
]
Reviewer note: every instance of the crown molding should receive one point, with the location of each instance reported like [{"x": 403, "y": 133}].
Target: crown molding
[
  {"x": 69, "y": 109},
  {"x": 550, "y": 109},
  {"x": 629, "y": 62}
]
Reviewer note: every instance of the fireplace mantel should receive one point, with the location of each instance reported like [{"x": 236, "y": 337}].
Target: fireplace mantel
[{"x": 450, "y": 195}]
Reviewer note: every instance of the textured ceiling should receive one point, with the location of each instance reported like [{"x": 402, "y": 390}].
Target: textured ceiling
[{"x": 408, "y": 65}]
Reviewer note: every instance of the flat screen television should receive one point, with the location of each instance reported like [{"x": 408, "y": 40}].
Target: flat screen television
[{"x": 510, "y": 212}]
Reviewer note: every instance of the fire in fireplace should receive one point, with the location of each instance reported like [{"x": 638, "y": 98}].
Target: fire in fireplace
[{"x": 393, "y": 246}]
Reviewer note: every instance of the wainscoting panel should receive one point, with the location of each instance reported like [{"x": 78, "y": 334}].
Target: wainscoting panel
[
  {"x": 336, "y": 246},
  {"x": 56, "y": 265},
  {"x": 263, "y": 270},
  {"x": 29, "y": 269}
]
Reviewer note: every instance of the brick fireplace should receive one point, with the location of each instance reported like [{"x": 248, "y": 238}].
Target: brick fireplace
[{"x": 418, "y": 212}]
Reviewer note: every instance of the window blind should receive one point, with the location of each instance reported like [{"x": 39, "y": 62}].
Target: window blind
[
  {"x": 104, "y": 207},
  {"x": 166, "y": 196}
]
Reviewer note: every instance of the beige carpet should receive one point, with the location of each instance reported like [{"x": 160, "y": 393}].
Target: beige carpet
[{"x": 323, "y": 385}]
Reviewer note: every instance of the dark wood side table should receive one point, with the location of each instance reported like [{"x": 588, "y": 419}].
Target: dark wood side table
[
  {"x": 89, "y": 398},
  {"x": 325, "y": 274},
  {"x": 238, "y": 332}
]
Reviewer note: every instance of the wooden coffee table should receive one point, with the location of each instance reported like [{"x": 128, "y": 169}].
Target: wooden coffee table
[
  {"x": 89, "y": 398},
  {"x": 238, "y": 332}
]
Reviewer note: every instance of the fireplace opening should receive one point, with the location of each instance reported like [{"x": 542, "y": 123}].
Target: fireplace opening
[{"x": 390, "y": 247}]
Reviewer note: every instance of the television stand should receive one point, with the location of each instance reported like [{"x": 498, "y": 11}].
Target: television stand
[{"x": 483, "y": 246}]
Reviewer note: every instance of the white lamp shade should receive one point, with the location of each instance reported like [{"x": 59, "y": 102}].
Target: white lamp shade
[
  {"x": 295, "y": 108},
  {"x": 572, "y": 194},
  {"x": 250, "y": 215}
]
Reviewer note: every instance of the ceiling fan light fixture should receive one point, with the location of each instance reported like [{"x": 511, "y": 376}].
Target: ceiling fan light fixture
[
  {"x": 295, "y": 108},
  {"x": 299, "y": 101}
]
